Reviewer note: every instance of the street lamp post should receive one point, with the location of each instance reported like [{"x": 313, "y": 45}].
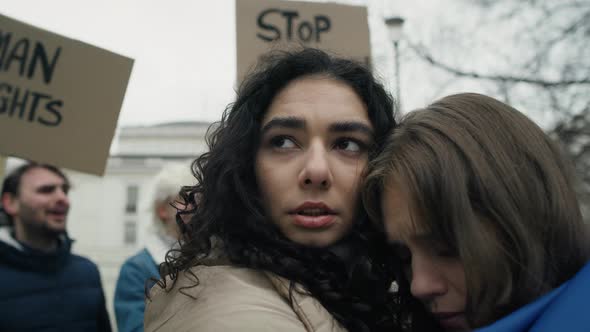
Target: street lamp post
[{"x": 394, "y": 25}]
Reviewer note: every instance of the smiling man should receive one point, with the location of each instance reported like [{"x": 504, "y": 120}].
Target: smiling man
[{"x": 43, "y": 285}]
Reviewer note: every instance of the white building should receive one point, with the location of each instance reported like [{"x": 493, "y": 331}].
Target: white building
[{"x": 110, "y": 215}]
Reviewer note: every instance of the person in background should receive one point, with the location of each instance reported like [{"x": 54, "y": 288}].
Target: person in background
[
  {"x": 137, "y": 270},
  {"x": 43, "y": 286},
  {"x": 478, "y": 203},
  {"x": 278, "y": 239}
]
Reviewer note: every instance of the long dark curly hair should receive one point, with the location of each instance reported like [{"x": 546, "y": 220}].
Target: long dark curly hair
[{"x": 351, "y": 278}]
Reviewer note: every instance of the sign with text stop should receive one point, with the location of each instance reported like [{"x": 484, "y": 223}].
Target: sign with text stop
[{"x": 270, "y": 24}]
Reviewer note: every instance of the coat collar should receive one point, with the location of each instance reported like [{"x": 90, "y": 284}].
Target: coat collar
[
  {"x": 309, "y": 310},
  {"x": 562, "y": 309}
]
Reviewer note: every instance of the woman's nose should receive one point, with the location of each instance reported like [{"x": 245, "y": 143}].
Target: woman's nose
[
  {"x": 427, "y": 280},
  {"x": 316, "y": 172}
]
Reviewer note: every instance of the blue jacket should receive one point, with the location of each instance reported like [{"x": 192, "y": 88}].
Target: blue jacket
[
  {"x": 41, "y": 291},
  {"x": 130, "y": 290},
  {"x": 563, "y": 309}
]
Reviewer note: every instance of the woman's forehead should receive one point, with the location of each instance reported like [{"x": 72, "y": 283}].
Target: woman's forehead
[
  {"x": 314, "y": 100},
  {"x": 401, "y": 220}
]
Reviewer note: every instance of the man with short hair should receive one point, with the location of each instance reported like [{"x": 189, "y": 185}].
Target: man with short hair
[{"x": 43, "y": 286}]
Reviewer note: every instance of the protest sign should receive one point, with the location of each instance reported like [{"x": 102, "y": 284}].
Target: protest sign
[
  {"x": 262, "y": 25},
  {"x": 2, "y": 166},
  {"x": 59, "y": 98}
]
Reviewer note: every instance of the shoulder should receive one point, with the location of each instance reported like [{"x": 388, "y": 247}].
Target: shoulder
[
  {"x": 307, "y": 308},
  {"x": 568, "y": 311},
  {"x": 220, "y": 298},
  {"x": 139, "y": 256},
  {"x": 135, "y": 271},
  {"x": 562, "y": 309},
  {"x": 82, "y": 268},
  {"x": 140, "y": 261},
  {"x": 83, "y": 263}
]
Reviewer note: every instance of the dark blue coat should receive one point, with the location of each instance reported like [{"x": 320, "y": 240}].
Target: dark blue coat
[
  {"x": 56, "y": 291},
  {"x": 563, "y": 309}
]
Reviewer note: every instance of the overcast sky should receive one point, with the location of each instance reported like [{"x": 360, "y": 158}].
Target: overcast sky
[{"x": 184, "y": 51}]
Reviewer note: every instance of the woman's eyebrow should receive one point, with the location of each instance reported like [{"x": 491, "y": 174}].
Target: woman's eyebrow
[
  {"x": 351, "y": 126},
  {"x": 289, "y": 122},
  {"x": 427, "y": 238}
]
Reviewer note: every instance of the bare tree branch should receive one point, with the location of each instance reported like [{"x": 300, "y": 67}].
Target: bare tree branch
[{"x": 500, "y": 78}]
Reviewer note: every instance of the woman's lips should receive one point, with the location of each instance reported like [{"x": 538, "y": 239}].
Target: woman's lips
[
  {"x": 452, "y": 321},
  {"x": 313, "y": 215},
  {"x": 321, "y": 221}
]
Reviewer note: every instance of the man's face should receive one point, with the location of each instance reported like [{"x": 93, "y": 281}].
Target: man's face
[
  {"x": 41, "y": 204},
  {"x": 166, "y": 212}
]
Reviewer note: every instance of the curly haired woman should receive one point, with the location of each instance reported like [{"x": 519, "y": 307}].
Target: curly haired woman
[{"x": 278, "y": 239}]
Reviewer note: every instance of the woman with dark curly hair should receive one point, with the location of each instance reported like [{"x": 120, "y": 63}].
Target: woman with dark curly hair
[{"x": 277, "y": 239}]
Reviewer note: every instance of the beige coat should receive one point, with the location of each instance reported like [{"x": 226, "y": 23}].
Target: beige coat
[{"x": 229, "y": 298}]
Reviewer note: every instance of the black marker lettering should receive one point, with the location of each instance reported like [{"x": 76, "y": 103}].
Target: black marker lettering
[
  {"x": 290, "y": 15},
  {"x": 35, "y": 102},
  {"x": 19, "y": 53},
  {"x": 305, "y": 31},
  {"x": 4, "y": 42},
  {"x": 53, "y": 107},
  {"x": 3, "y": 98},
  {"x": 40, "y": 57},
  {"x": 16, "y": 103},
  {"x": 322, "y": 24},
  {"x": 265, "y": 26}
]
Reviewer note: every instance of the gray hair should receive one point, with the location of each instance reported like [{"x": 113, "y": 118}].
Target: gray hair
[{"x": 170, "y": 179}]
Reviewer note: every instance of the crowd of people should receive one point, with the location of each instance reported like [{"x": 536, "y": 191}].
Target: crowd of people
[{"x": 318, "y": 207}]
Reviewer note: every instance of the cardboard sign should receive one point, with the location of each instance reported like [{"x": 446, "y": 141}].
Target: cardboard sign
[
  {"x": 269, "y": 24},
  {"x": 2, "y": 166},
  {"x": 59, "y": 98}
]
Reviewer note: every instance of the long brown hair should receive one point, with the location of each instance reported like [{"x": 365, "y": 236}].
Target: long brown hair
[{"x": 492, "y": 186}]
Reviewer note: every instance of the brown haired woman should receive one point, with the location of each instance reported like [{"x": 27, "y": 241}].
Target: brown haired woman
[{"x": 478, "y": 203}]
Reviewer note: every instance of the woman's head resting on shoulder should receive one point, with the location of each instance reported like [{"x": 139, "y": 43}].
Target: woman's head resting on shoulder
[
  {"x": 286, "y": 161},
  {"x": 478, "y": 204}
]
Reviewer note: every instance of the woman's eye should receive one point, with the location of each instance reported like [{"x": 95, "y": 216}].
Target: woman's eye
[
  {"x": 349, "y": 145},
  {"x": 282, "y": 142},
  {"x": 446, "y": 253},
  {"x": 443, "y": 250}
]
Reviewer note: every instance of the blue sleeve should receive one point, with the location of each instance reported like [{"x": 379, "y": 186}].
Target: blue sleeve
[{"x": 130, "y": 296}]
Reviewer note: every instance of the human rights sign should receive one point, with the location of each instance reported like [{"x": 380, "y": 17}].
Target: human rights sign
[{"x": 59, "y": 98}]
